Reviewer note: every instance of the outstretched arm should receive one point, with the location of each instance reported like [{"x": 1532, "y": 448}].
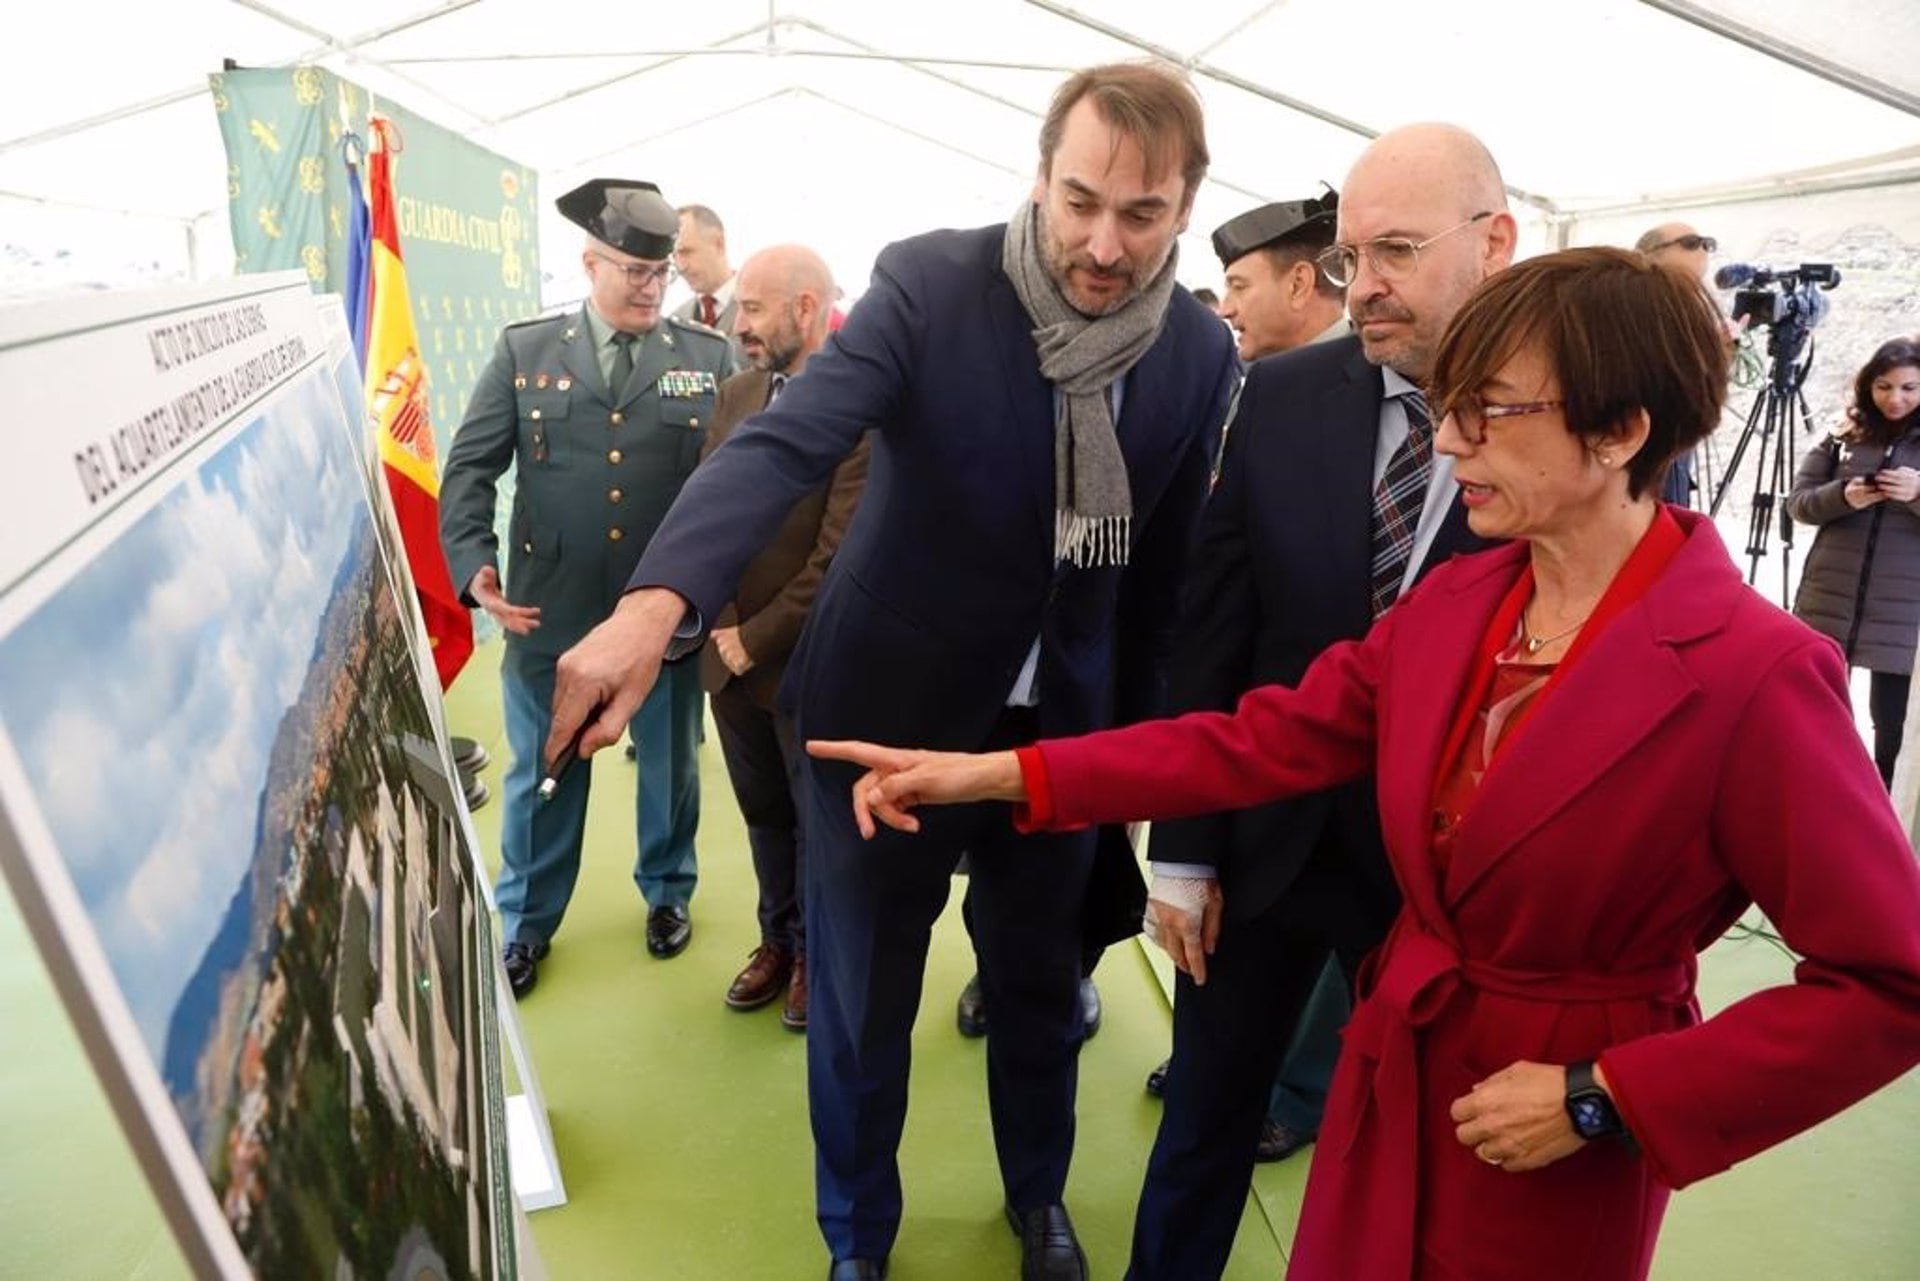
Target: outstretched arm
[
  {"x": 900, "y": 778},
  {"x": 600, "y": 683},
  {"x": 1280, "y": 742}
]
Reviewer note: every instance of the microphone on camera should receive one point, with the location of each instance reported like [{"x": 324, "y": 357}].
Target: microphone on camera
[{"x": 1734, "y": 275}]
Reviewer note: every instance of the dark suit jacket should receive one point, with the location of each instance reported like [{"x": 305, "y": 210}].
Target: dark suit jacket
[
  {"x": 948, "y": 571},
  {"x": 1282, "y": 571},
  {"x": 595, "y": 470},
  {"x": 778, "y": 588}
]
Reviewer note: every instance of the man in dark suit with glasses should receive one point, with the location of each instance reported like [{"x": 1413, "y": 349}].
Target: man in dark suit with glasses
[{"x": 1330, "y": 503}]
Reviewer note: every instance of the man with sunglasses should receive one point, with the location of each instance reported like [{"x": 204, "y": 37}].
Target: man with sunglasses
[
  {"x": 1675, "y": 244},
  {"x": 1679, "y": 246},
  {"x": 1330, "y": 504},
  {"x": 601, "y": 412}
]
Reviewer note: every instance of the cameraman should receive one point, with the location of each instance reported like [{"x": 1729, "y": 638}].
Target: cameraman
[{"x": 1861, "y": 585}]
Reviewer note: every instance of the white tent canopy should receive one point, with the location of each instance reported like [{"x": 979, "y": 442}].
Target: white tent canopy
[{"x": 847, "y": 123}]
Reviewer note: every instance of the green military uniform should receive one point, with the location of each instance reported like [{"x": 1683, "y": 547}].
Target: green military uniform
[{"x": 597, "y": 468}]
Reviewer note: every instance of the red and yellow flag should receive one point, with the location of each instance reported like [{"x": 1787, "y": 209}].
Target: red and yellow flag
[{"x": 397, "y": 397}]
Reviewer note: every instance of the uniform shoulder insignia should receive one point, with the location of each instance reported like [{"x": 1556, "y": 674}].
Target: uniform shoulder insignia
[
  {"x": 531, "y": 321},
  {"x": 695, "y": 327}
]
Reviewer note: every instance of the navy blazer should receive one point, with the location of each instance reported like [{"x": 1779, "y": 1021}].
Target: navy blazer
[
  {"x": 1283, "y": 570},
  {"x": 948, "y": 571}
]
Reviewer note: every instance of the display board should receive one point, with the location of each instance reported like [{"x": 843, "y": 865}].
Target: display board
[{"x": 227, "y": 811}]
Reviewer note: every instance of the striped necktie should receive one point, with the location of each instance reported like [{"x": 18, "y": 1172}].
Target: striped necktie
[{"x": 1398, "y": 500}]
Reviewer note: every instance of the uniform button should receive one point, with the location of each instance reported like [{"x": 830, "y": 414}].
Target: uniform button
[
  {"x": 615, "y": 495},
  {"x": 535, "y": 414},
  {"x": 613, "y": 455},
  {"x": 615, "y": 534},
  {"x": 693, "y": 422},
  {"x": 616, "y": 418},
  {"x": 527, "y": 548}
]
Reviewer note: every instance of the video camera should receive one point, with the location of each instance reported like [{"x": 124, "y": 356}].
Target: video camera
[{"x": 1793, "y": 298}]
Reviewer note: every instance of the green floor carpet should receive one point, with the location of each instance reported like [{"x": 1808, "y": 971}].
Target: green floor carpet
[{"x": 681, "y": 1125}]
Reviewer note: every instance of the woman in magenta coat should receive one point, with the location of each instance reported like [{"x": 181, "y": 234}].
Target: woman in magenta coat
[{"x": 1594, "y": 747}]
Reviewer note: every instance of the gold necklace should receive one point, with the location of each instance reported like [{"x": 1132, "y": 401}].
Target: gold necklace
[{"x": 1535, "y": 644}]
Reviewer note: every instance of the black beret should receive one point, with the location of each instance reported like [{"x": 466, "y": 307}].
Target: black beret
[
  {"x": 1270, "y": 224},
  {"x": 631, "y": 216}
]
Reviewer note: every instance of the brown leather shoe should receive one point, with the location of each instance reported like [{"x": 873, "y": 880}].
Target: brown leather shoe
[
  {"x": 762, "y": 980},
  {"x": 1278, "y": 1141},
  {"x": 794, "y": 1014}
]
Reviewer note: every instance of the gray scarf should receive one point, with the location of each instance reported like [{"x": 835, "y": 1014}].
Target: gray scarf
[{"x": 1081, "y": 356}]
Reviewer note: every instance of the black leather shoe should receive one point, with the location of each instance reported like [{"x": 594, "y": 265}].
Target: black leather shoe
[
  {"x": 971, "y": 1014},
  {"x": 669, "y": 930},
  {"x": 1048, "y": 1249},
  {"x": 858, "y": 1270},
  {"x": 1278, "y": 1142},
  {"x": 521, "y": 963},
  {"x": 1157, "y": 1079},
  {"x": 1089, "y": 1009}
]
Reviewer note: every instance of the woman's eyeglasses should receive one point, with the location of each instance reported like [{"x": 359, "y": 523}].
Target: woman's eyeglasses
[{"x": 1471, "y": 416}]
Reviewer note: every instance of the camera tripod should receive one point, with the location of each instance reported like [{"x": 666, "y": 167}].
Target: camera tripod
[{"x": 1778, "y": 421}]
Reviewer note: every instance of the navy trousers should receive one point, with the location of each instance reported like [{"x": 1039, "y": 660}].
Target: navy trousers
[
  {"x": 870, "y": 909},
  {"x": 1228, "y": 1037}
]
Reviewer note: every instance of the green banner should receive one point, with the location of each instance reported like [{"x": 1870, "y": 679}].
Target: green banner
[{"x": 468, "y": 221}]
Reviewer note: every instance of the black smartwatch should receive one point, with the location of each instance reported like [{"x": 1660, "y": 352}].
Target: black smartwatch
[{"x": 1588, "y": 1106}]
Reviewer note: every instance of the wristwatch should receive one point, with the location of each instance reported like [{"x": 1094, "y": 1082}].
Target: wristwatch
[{"x": 1589, "y": 1107}]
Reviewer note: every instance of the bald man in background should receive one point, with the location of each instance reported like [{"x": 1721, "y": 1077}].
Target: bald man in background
[
  {"x": 1252, "y": 904},
  {"x": 783, "y": 300},
  {"x": 1675, "y": 244},
  {"x": 1679, "y": 246}
]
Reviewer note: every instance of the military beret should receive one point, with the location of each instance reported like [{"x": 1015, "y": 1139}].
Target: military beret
[
  {"x": 631, "y": 216},
  {"x": 1269, "y": 225}
]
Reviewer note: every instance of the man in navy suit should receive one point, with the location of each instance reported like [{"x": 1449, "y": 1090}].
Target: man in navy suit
[
  {"x": 1330, "y": 504},
  {"x": 1045, "y": 404}
]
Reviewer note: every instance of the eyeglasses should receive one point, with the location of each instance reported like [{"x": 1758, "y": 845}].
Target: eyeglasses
[
  {"x": 1470, "y": 416},
  {"x": 640, "y": 277},
  {"x": 1391, "y": 257},
  {"x": 1690, "y": 243}
]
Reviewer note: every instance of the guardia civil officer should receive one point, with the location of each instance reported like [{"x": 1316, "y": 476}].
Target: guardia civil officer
[{"x": 601, "y": 412}]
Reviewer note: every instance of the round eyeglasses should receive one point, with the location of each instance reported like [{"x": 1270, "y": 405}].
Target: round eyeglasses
[{"x": 1391, "y": 257}]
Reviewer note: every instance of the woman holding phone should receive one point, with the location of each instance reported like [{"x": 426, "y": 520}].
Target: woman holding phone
[{"x": 1861, "y": 488}]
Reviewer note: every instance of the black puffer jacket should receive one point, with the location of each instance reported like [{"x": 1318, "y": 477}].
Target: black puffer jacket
[{"x": 1861, "y": 585}]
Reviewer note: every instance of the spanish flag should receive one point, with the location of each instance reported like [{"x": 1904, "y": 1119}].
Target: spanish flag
[{"x": 397, "y": 399}]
